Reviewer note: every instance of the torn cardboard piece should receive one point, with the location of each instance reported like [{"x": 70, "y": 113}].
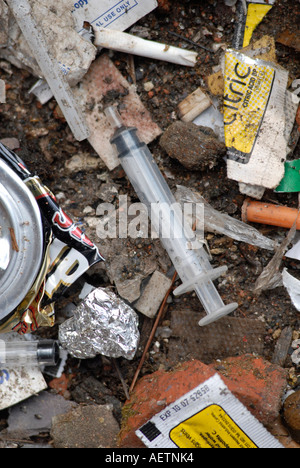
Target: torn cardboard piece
[
  {"x": 102, "y": 86},
  {"x": 254, "y": 120}
]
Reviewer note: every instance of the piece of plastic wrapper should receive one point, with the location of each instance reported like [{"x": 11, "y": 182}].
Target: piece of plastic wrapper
[
  {"x": 249, "y": 15},
  {"x": 102, "y": 324},
  {"x": 292, "y": 286},
  {"x": 271, "y": 277},
  {"x": 255, "y": 120},
  {"x": 221, "y": 223}
]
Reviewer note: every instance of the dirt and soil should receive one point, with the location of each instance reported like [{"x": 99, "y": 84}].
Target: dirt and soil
[{"x": 46, "y": 144}]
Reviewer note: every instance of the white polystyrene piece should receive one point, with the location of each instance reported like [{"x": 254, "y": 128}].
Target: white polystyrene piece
[{"x": 50, "y": 68}]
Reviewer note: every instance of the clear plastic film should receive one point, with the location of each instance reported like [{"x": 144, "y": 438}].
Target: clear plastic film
[
  {"x": 102, "y": 324},
  {"x": 222, "y": 223}
]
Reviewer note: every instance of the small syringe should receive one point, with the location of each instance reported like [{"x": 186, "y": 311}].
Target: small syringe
[
  {"x": 23, "y": 353},
  {"x": 192, "y": 266}
]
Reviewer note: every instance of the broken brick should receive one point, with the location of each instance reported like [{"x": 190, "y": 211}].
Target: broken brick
[{"x": 257, "y": 383}]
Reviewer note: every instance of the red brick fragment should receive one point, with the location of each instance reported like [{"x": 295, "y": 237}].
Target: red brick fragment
[{"x": 257, "y": 383}]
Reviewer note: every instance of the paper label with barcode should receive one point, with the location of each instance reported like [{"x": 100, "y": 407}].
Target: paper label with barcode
[{"x": 209, "y": 416}]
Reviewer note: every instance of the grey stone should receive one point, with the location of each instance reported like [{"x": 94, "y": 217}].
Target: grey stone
[
  {"x": 195, "y": 147},
  {"x": 91, "y": 426}
]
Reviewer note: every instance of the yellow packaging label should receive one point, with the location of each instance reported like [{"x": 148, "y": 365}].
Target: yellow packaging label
[
  {"x": 247, "y": 87},
  {"x": 256, "y": 13},
  {"x": 209, "y": 416},
  {"x": 210, "y": 428}
]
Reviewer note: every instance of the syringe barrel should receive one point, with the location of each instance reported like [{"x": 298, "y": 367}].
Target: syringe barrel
[
  {"x": 166, "y": 215},
  {"x": 28, "y": 353}
]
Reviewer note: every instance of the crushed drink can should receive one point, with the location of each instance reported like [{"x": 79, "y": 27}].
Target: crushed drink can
[{"x": 42, "y": 251}]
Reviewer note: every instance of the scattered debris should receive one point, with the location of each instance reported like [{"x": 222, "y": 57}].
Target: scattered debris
[
  {"x": 39, "y": 44},
  {"x": 130, "y": 324}
]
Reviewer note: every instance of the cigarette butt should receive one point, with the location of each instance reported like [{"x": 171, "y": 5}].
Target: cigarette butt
[
  {"x": 267, "y": 213},
  {"x": 193, "y": 105}
]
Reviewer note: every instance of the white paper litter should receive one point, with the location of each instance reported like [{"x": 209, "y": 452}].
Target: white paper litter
[
  {"x": 292, "y": 286},
  {"x": 114, "y": 14}
]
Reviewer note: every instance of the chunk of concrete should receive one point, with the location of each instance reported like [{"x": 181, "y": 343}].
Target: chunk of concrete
[
  {"x": 98, "y": 428},
  {"x": 153, "y": 295}
]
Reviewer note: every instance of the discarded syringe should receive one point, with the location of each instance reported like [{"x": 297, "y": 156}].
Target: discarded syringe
[
  {"x": 193, "y": 266},
  {"x": 23, "y": 353}
]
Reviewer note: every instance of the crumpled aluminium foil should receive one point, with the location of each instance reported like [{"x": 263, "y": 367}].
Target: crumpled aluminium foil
[{"x": 102, "y": 324}]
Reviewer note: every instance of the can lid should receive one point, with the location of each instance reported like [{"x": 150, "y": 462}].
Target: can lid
[{"x": 21, "y": 240}]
